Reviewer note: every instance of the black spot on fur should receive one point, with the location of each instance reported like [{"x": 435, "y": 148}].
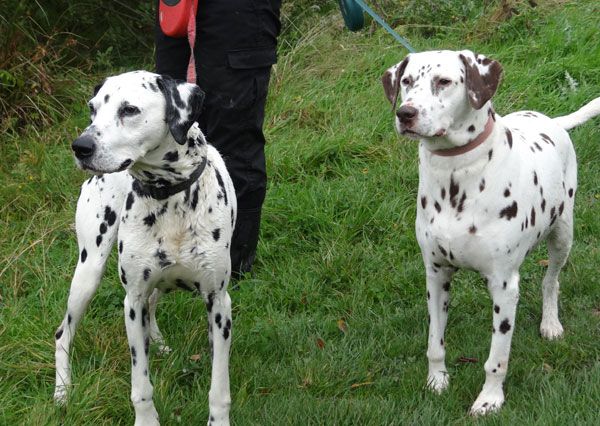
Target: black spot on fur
[
  {"x": 423, "y": 202},
  {"x": 443, "y": 193},
  {"x": 226, "y": 329},
  {"x": 150, "y": 219},
  {"x": 454, "y": 188},
  {"x": 471, "y": 128},
  {"x": 144, "y": 316},
  {"x": 535, "y": 178},
  {"x": 443, "y": 251},
  {"x": 123, "y": 277},
  {"x": 83, "y": 255},
  {"x": 194, "y": 202},
  {"x": 221, "y": 185},
  {"x": 561, "y": 208},
  {"x": 547, "y": 139},
  {"x": 509, "y": 212},
  {"x": 171, "y": 156},
  {"x": 132, "y": 314},
  {"x": 129, "y": 201},
  {"x": 497, "y": 309},
  {"x": 472, "y": 229},
  {"x": 209, "y": 302},
  {"x": 218, "y": 320},
  {"x": 103, "y": 228},
  {"x": 437, "y": 206},
  {"x": 121, "y": 246},
  {"x": 98, "y": 240},
  {"x": 133, "y": 355},
  {"x": 482, "y": 185},
  {"x": 505, "y": 326},
  {"x": 570, "y": 192},
  {"x": 490, "y": 152},
  {"x": 532, "y": 217},
  {"x": 110, "y": 216},
  {"x": 507, "y": 192},
  {"x": 106, "y": 98},
  {"x": 216, "y": 233},
  {"x": 504, "y": 285},
  {"x": 509, "y": 138},
  {"x": 146, "y": 274},
  {"x": 447, "y": 286},
  {"x": 58, "y": 334}
]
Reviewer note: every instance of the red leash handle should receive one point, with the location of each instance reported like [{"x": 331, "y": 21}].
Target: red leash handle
[{"x": 177, "y": 18}]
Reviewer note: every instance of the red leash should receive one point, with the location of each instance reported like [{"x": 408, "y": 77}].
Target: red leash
[{"x": 177, "y": 18}]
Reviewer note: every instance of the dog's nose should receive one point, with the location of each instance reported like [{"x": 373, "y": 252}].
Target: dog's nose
[
  {"x": 83, "y": 146},
  {"x": 406, "y": 113}
]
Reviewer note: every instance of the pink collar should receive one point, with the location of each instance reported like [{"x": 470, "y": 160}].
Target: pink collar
[{"x": 450, "y": 152}]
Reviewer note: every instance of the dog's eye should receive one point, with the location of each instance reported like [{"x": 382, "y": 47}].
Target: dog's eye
[
  {"x": 444, "y": 81},
  {"x": 128, "y": 110},
  {"x": 406, "y": 81}
]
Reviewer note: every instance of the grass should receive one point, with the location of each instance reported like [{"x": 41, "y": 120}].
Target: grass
[{"x": 332, "y": 327}]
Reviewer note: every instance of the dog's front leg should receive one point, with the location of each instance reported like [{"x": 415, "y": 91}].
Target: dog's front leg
[
  {"x": 96, "y": 222},
  {"x": 219, "y": 325},
  {"x": 504, "y": 289},
  {"x": 438, "y": 295},
  {"x": 137, "y": 322}
]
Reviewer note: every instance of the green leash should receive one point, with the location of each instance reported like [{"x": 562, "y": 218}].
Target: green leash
[{"x": 352, "y": 11}]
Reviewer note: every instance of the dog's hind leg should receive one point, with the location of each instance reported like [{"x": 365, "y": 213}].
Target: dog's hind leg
[
  {"x": 155, "y": 334},
  {"x": 438, "y": 295},
  {"x": 218, "y": 307},
  {"x": 96, "y": 220},
  {"x": 559, "y": 240}
]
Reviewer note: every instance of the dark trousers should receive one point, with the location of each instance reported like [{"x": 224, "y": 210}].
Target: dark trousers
[{"x": 235, "y": 47}]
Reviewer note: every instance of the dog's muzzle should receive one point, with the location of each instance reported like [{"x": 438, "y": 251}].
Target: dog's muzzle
[
  {"x": 406, "y": 114},
  {"x": 83, "y": 147}
]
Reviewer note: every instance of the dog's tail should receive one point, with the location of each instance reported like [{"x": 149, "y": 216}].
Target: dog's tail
[{"x": 586, "y": 112}]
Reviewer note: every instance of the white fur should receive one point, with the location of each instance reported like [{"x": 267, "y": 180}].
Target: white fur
[
  {"x": 486, "y": 209},
  {"x": 178, "y": 242}
]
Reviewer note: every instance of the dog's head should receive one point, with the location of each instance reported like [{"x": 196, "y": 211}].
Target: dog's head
[
  {"x": 131, "y": 115},
  {"x": 439, "y": 91}
]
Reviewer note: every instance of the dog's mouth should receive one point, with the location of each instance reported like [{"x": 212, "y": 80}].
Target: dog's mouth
[
  {"x": 405, "y": 131},
  {"x": 98, "y": 170}
]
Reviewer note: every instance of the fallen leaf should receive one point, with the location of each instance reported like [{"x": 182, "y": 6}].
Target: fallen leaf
[
  {"x": 543, "y": 262},
  {"x": 465, "y": 359},
  {"x": 195, "y": 357},
  {"x": 547, "y": 368},
  {"x": 342, "y": 325},
  {"x": 320, "y": 343},
  {"x": 358, "y": 385},
  {"x": 596, "y": 312}
]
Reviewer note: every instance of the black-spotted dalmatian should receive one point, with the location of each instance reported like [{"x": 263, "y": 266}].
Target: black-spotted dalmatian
[
  {"x": 490, "y": 189},
  {"x": 164, "y": 193}
]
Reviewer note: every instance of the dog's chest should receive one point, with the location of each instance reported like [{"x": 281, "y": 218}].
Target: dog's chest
[{"x": 494, "y": 211}]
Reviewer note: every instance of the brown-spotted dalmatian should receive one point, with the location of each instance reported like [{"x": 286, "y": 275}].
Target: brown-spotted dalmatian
[
  {"x": 164, "y": 193},
  {"x": 490, "y": 189}
]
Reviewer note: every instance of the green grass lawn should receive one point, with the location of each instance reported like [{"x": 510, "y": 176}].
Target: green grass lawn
[{"x": 332, "y": 327}]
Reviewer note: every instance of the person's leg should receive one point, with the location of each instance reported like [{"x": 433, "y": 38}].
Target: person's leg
[{"x": 235, "y": 48}]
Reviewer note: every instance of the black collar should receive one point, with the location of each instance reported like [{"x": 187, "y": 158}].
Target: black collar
[{"x": 162, "y": 192}]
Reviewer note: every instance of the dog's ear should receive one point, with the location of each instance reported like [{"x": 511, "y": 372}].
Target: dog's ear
[
  {"x": 183, "y": 105},
  {"x": 482, "y": 76},
  {"x": 98, "y": 87},
  {"x": 391, "y": 81}
]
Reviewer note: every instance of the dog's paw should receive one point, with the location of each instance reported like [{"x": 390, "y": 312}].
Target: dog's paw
[
  {"x": 438, "y": 381},
  {"x": 218, "y": 420},
  {"x": 487, "y": 402},
  {"x": 164, "y": 349},
  {"x": 146, "y": 414},
  {"x": 551, "y": 329}
]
